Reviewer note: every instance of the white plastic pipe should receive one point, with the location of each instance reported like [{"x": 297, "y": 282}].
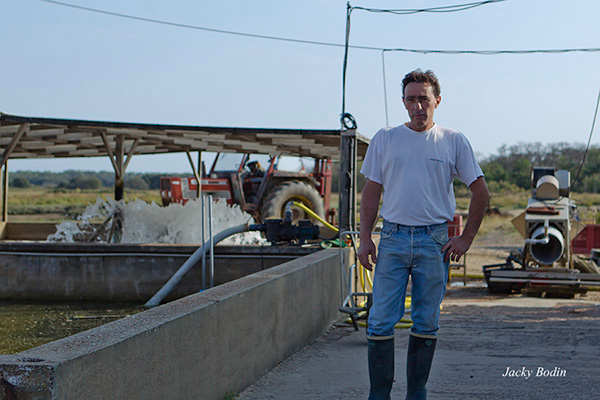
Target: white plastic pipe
[{"x": 197, "y": 255}]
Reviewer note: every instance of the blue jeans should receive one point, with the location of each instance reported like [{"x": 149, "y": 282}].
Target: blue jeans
[{"x": 404, "y": 251}]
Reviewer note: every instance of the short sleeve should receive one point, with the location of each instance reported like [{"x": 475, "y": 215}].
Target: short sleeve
[
  {"x": 371, "y": 167},
  {"x": 468, "y": 170}
]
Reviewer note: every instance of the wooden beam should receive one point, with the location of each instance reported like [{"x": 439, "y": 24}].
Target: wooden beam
[
  {"x": 130, "y": 153},
  {"x": 109, "y": 151},
  {"x": 15, "y": 140},
  {"x": 120, "y": 170},
  {"x": 196, "y": 175},
  {"x": 5, "y": 192}
]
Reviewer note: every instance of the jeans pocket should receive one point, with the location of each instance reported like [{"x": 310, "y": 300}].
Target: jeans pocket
[
  {"x": 385, "y": 233},
  {"x": 439, "y": 235}
]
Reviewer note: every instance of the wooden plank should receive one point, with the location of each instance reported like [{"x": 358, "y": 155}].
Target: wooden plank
[
  {"x": 548, "y": 276},
  {"x": 61, "y": 148},
  {"x": 37, "y": 144},
  {"x": 53, "y": 132},
  {"x": 9, "y": 129},
  {"x": 295, "y": 142}
]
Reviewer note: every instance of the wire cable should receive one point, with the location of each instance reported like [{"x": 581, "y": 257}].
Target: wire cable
[
  {"x": 314, "y": 42},
  {"x": 442, "y": 9},
  {"x": 587, "y": 148},
  {"x": 187, "y": 26},
  {"x": 495, "y": 52},
  {"x": 385, "y": 99},
  {"x": 345, "y": 63}
]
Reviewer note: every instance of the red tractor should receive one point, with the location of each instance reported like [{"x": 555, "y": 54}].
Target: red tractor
[{"x": 260, "y": 184}]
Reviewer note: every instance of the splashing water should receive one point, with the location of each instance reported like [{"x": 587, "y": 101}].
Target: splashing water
[{"x": 150, "y": 223}]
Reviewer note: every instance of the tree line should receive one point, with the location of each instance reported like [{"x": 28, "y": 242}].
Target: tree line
[
  {"x": 74, "y": 179},
  {"x": 508, "y": 169},
  {"x": 512, "y": 164}
]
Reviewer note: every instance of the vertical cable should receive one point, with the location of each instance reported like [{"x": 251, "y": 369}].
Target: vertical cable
[
  {"x": 588, "y": 143},
  {"x": 385, "y": 100},
  {"x": 345, "y": 66}
]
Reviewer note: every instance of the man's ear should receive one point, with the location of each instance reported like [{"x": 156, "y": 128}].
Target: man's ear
[{"x": 437, "y": 101}]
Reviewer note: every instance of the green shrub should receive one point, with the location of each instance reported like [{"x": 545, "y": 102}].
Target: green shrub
[{"x": 20, "y": 182}]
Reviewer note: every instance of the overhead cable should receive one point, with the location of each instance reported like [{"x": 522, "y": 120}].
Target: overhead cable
[
  {"x": 442, "y": 9},
  {"x": 494, "y": 52},
  {"x": 319, "y": 43}
]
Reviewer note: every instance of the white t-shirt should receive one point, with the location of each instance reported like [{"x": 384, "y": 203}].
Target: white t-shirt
[{"x": 416, "y": 170}]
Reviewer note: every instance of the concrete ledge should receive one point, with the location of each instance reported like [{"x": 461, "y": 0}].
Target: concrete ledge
[
  {"x": 122, "y": 272},
  {"x": 199, "y": 347}
]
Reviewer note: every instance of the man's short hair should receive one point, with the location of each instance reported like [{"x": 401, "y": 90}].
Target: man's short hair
[{"x": 426, "y": 77}]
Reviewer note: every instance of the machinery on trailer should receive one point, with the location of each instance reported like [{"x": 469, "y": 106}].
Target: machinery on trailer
[
  {"x": 546, "y": 264},
  {"x": 261, "y": 184}
]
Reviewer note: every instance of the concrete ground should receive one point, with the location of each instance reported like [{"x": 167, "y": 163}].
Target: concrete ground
[{"x": 481, "y": 338}]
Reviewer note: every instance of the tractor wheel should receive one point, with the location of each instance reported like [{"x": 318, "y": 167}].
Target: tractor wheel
[{"x": 275, "y": 202}]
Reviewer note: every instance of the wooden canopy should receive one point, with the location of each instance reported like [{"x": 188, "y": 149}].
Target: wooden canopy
[{"x": 33, "y": 137}]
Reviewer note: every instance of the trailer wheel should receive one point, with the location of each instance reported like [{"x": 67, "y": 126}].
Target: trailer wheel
[{"x": 279, "y": 196}]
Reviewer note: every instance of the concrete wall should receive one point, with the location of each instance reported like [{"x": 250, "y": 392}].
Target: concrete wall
[
  {"x": 199, "y": 347},
  {"x": 26, "y": 230},
  {"x": 122, "y": 272}
]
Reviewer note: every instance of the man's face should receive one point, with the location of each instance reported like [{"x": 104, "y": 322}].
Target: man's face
[{"x": 420, "y": 104}]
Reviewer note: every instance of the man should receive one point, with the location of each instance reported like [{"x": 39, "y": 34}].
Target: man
[{"x": 414, "y": 165}]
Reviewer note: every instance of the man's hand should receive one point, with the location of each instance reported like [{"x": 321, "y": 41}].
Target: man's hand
[
  {"x": 366, "y": 249},
  {"x": 458, "y": 246},
  {"x": 455, "y": 248},
  {"x": 371, "y": 194}
]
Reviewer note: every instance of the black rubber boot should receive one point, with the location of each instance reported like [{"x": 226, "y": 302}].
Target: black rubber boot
[
  {"x": 418, "y": 365},
  {"x": 381, "y": 368}
]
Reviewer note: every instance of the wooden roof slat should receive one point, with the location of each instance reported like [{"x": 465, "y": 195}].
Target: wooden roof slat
[
  {"x": 45, "y": 132},
  {"x": 62, "y": 148}
]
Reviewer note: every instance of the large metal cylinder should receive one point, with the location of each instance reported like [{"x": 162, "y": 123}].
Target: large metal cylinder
[
  {"x": 551, "y": 252},
  {"x": 547, "y": 188}
]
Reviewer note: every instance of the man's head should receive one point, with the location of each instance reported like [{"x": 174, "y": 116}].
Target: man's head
[
  {"x": 421, "y": 96},
  {"x": 426, "y": 77}
]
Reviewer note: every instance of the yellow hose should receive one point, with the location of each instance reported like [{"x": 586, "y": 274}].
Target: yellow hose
[
  {"x": 333, "y": 228},
  {"x": 364, "y": 271},
  {"x": 315, "y": 216},
  {"x": 404, "y": 323},
  {"x": 459, "y": 275}
]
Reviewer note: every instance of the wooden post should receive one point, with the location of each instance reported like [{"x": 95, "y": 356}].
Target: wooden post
[
  {"x": 5, "y": 192},
  {"x": 347, "y": 187},
  {"x": 200, "y": 173},
  {"x": 119, "y": 175},
  {"x": 197, "y": 175}
]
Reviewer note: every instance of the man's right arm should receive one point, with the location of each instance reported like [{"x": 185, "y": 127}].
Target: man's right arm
[{"x": 369, "y": 208}]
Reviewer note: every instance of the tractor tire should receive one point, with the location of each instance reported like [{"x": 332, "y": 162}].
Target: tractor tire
[{"x": 279, "y": 196}]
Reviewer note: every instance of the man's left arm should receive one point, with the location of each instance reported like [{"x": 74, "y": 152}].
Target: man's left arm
[{"x": 458, "y": 246}]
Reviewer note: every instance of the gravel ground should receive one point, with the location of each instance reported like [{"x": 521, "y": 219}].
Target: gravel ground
[{"x": 482, "y": 338}]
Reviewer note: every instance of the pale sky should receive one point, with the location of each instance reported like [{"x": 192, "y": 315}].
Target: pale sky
[{"x": 63, "y": 62}]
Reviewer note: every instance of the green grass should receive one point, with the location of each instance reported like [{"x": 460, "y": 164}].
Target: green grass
[
  {"x": 49, "y": 204},
  {"x": 57, "y": 204}
]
